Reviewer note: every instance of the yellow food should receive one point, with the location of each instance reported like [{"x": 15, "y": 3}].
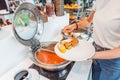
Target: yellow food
[
  {"x": 74, "y": 42},
  {"x": 62, "y": 48},
  {"x": 72, "y": 16},
  {"x": 67, "y": 45},
  {"x": 72, "y": 6},
  {"x": 67, "y": 6}
]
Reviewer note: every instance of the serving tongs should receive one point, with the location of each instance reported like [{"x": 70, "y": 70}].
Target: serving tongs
[
  {"x": 48, "y": 46},
  {"x": 75, "y": 34}
]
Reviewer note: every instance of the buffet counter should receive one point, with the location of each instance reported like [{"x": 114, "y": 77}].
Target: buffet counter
[{"x": 14, "y": 55}]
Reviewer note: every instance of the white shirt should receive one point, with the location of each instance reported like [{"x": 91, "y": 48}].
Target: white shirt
[{"x": 106, "y": 32}]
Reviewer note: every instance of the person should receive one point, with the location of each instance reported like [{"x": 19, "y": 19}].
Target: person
[{"x": 106, "y": 35}]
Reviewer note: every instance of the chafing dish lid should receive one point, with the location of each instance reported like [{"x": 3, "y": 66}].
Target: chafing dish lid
[{"x": 27, "y": 24}]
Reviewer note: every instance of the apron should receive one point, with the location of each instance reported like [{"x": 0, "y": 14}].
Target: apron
[{"x": 105, "y": 69}]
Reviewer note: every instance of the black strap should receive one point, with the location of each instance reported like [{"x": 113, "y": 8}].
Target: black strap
[{"x": 99, "y": 48}]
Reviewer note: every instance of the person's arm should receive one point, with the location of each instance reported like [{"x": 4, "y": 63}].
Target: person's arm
[
  {"x": 90, "y": 17},
  {"x": 86, "y": 21},
  {"x": 108, "y": 54},
  {"x": 82, "y": 23}
]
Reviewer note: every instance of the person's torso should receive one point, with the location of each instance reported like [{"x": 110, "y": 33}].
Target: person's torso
[{"x": 106, "y": 22}]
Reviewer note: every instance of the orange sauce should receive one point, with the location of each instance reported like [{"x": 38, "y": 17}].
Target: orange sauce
[{"x": 49, "y": 57}]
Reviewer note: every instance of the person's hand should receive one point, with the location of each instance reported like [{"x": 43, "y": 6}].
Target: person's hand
[{"x": 69, "y": 28}]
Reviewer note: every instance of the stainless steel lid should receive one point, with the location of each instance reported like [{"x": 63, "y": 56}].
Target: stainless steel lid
[{"x": 28, "y": 24}]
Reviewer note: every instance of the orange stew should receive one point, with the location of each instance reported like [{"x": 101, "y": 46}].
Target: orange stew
[{"x": 48, "y": 57}]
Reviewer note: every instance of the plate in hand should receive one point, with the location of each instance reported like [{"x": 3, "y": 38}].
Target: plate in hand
[{"x": 83, "y": 51}]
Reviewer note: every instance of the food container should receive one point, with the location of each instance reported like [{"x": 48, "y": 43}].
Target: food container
[{"x": 28, "y": 31}]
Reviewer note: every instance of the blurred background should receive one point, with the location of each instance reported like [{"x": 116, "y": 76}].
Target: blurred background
[{"x": 76, "y": 8}]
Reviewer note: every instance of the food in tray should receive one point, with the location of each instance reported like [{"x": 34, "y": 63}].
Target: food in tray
[
  {"x": 48, "y": 57},
  {"x": 67, "y": 6},
  {"x": 64, "y": 45},
  {"x": 72, "y": 6},
  {"x": 72, "y": 17}
]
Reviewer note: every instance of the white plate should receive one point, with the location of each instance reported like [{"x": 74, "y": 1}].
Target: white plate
[{"x": 83, "y": 51}]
